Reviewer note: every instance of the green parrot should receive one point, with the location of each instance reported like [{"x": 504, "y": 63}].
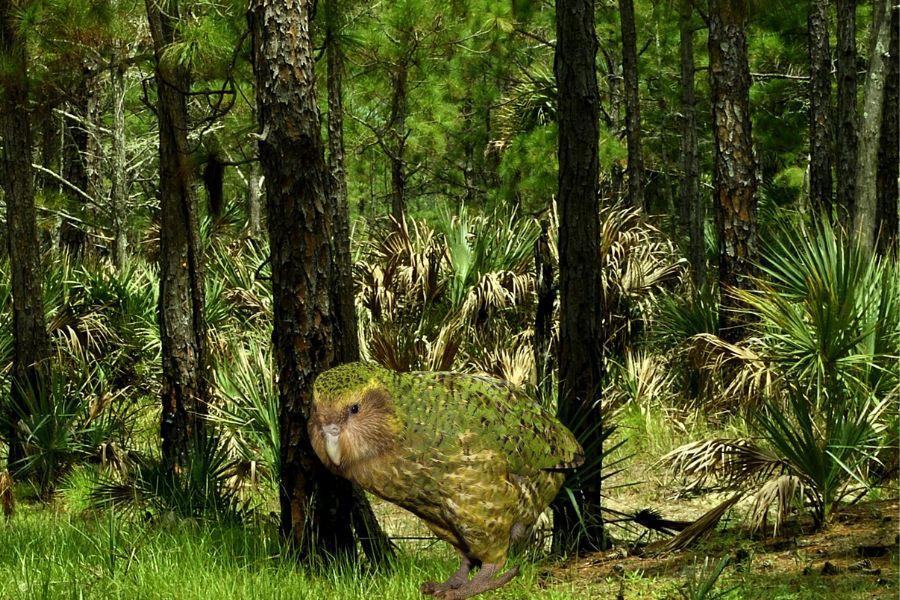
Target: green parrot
[{"x": 472, "y": 456}]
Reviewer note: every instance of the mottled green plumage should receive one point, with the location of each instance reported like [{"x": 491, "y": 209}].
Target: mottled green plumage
[{"x": 474, "y": 457}]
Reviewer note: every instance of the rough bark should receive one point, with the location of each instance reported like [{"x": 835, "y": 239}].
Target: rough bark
[
  {"x": 580, "y": 360},
  {"x": 632, "y": 106},
  {"x": 31, "y": 344},
  {"x": 847, "y": 122},
  {"x": 292, "y": 156},
  {"x": 734, "y": 177},
  {"x": 864, "y": 225},
  {"x": 820, "y": 133},
  {"x": 889, "y": 147},
  {"x": 182, "y": 322},
  {"x": 690, "y": 161}
]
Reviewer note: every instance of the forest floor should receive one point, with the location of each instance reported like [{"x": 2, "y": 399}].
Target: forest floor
[
  {"x": 64, "y": 550},
  {"x": 855, "y": 557}
]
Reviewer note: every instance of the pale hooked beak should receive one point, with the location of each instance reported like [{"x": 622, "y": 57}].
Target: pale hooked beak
[{"x": 332, "y": 444}]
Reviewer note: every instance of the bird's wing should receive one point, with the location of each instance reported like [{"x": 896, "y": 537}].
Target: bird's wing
[{"x": 457, "y": 414}]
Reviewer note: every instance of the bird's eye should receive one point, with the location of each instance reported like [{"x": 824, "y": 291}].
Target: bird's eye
[{"x": 354, "y": 409}]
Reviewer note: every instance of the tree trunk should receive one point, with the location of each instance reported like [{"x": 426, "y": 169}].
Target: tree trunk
[
  {"x": 51, "y": 147},
  {"x": 374, "y": 542},
  {"x": 864, "y": 225},
  {"x": 690, "y": 161},
  {"x": 847, "y": 123},
  {"x": 76, "y": 167},
  {"x": 889, "y": 147},
  {"x": 820, "y": 136},
  {"x": 182, "y": 323},
  {"x": 543, "y": 316},
  {"x": 580, "y": 360},
  {"x": 397, "y": 146},
  {"x": 347, "y": 338},
  {"x": 254, "y": 202},
  {"x": 734, "y": 178},
  {"x": 292, "y": 156},
  {"x": 119, "y": 175},
  {"x": 31, "y": 344},
  {"x": 632, "y": 106}
]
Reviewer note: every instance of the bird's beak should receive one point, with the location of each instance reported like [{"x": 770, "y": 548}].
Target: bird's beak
[{"x": 332, "y": 442}]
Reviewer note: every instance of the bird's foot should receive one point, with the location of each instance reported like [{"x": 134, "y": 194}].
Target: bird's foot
[
  {"x": 433, "y": 588},
  {"x": 484, "y": 581}
]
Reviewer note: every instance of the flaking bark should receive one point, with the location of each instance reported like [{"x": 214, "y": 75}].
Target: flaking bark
[{"x": 734, "y": 179}]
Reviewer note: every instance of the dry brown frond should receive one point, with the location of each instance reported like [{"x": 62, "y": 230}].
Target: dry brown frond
[
  {"x": 515, "y": 364},
  {"x": 644, "y": 378},
  {"x": 701, "y": 526},
  {"x": 750, "y": 376},
  {"x": 114, "y": 459},
  {"x": 440, "y": 353},
  {"x": 782, "y": 492},
  {"x": 724, "y": 462},
  {"x": 7, "y": 494}
]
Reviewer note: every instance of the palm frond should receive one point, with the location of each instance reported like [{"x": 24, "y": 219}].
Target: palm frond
[
  {"x": 782, "y": 493},
  {"x": 701, "y": 526}
]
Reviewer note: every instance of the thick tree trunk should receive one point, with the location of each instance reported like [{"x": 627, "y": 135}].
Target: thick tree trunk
[
  {"x": 632, "y": 106},
  {"x": 314, "y": 503},
  {"x": 864, "y": 225},
  {"x": 690, "y": 161},
  {"x": 820, "y": 136},
  {"x": 734, "y": 180},
  {"x": 847, "y": 123},
  {"x": 119, "y": 175},
  {"x": 886, "y": 215},
  {"x": 30, "y": 340},
  {"x": 580, "y": 359},
  {"x": 182, "y": 322}
]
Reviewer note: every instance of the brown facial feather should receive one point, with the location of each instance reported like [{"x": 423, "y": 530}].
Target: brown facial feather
[{"x": 368, "y": 428}]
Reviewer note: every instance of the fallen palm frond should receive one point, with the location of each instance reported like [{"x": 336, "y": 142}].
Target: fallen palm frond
[
  {"x": 652, "y": 519},
  {"x": 782, "y": 492},
  {"x": 701, "y": 526}
]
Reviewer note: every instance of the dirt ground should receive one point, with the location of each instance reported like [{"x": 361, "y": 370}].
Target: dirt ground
[{"x": 855, "y": 557}]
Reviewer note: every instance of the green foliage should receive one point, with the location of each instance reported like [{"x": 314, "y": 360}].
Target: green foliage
[
  {"x": 820, "y": 370},
  {"x": 701, "y": 580},
  {"x": 451, "y": 297},
  {"x": 248, "y": 413},
  {"x": 203, "y": 488}
]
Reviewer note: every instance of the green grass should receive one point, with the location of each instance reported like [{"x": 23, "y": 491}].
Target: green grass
[{"x": 48, "y": 553}]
